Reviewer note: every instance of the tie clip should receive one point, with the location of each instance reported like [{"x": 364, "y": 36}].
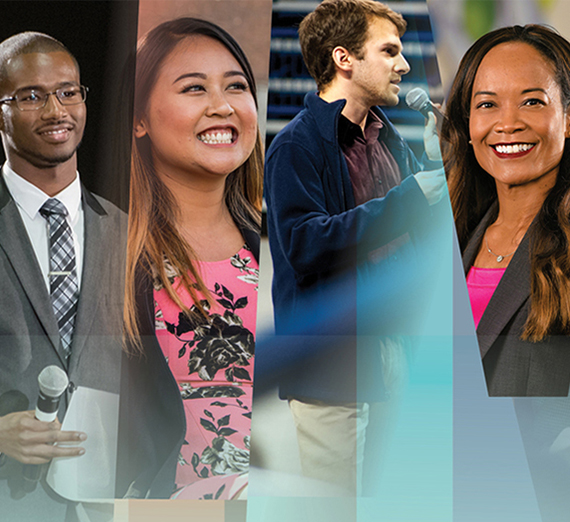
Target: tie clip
[{"x": 59, "y": 274}]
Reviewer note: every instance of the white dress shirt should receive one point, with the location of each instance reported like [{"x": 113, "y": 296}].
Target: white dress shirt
[{"x": 29, "y": 199}]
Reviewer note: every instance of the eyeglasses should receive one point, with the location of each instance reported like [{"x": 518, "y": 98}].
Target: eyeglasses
[{"x": 35, "y": 99}]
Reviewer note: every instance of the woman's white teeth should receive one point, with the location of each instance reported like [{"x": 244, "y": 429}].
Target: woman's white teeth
[
  {"x": 513, "y": 149},
  {"x": 213, "y": 138}
]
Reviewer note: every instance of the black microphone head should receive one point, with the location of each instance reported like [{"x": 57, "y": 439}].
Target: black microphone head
[
  {"x": 53, "y": 381},
  {"x": 416, "y": 99}
]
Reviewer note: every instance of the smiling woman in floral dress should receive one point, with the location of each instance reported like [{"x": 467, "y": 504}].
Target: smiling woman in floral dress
[{"x": 192, "y": 265}]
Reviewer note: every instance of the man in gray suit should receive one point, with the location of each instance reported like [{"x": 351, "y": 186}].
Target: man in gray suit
[{"x": 50, "y": 314}]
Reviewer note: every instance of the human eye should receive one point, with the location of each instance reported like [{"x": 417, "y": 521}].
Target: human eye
[
  {"x": 484, "y": 105},
  {"x": 30, "y": 96},
  {"x": 69, "y": 93},
  {"x": 238, "y": 85},
  {"x": 534, "y": 102},
  {"x": 195, "y": 87}
]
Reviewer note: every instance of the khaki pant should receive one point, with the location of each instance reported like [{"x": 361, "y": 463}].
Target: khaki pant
[
  {"x": 332, "y": 437},
  {"x": 331, "y": 441}
]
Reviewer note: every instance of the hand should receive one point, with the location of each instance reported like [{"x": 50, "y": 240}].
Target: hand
[
  {"x": 431, "y": 139},
  {"x": 31, "y": 441},
  {"x": 433, "y": 184}
]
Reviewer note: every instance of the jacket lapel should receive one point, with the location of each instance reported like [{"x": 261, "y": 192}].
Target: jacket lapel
[
  {"x": 512, "y": 291},
  {"x": 95, "y": 260},
  {"x": 472, "y": 248},
  {"x": 20, "y": 253}
]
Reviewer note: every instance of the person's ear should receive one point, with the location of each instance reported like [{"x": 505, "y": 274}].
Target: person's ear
[
  {"x": 139, "y": 128},
  {"x": 567, "y": 131},
  {"x": 342, "y": 59}
]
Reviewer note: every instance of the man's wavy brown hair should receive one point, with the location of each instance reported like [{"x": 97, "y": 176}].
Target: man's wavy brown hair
[{"x": 341, "y": 23}]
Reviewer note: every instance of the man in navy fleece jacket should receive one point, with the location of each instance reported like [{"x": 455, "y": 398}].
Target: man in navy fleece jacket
[{"x": 343, "y": 191}]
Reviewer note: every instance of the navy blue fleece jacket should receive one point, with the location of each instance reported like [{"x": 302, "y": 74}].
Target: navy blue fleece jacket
[{"x": 318, "y": 236}]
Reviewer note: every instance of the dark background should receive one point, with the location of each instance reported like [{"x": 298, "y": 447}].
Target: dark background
[{"x": 102, "y": 36}]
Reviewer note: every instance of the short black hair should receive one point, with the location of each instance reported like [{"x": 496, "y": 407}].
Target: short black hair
[{"x": 29, "y": 42}]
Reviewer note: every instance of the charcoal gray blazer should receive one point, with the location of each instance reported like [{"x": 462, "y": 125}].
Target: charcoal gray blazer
[
  {"x": 29, "y": 336},
  {"x": 513, "y": 367}
]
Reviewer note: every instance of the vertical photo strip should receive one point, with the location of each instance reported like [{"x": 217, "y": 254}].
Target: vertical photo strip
[
  {"x": 352, "y": 403},
  {"x": 193, "y": 258},
  {"x": 63, "y": 236},
  {"x": 505, "y": 73}
]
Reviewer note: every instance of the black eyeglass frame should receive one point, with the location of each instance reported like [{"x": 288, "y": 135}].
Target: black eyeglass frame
[{"x": 82, "y": 89}]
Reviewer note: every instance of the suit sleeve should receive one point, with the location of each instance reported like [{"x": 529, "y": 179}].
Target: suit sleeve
[{"x": 312, "y": 238}]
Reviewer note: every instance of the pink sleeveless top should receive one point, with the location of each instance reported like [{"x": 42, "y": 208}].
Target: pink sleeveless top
[
  {"x": 212, "y": 362},
  {"x": 481, "y": 285}
]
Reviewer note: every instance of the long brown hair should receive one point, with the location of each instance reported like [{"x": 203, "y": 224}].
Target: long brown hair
[
  {"x": 473, "y": 191},
  {"x": 153, "y": 231}
]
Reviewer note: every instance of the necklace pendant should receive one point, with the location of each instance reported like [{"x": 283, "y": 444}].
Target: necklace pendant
[{"x": 499, "y": 259}]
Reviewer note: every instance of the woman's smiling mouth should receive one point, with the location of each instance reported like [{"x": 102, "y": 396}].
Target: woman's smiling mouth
[
  {"x": 220, "y": 137},
  {"x": 512, "y": 150}
]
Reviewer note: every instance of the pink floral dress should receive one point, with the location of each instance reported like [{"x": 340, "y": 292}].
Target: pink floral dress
[{"x": 212, "y": 362}]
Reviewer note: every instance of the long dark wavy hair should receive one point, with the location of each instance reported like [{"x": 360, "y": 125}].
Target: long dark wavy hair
[
  {"x": 473, "y": 191},
  {"x": 153, "y": 231}
]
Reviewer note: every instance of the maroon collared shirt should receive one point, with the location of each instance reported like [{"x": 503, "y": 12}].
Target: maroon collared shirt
[{"x": 372, "y": 168}]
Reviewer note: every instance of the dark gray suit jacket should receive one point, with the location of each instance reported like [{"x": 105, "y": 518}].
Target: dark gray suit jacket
[
  {"x": 29, "y": 337},
  {"x": 513, "y": 367}
]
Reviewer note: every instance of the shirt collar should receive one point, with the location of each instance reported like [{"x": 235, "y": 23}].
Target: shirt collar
[
  {"x": 30, "y": 198},
  {"x": 349, "y": 131}
]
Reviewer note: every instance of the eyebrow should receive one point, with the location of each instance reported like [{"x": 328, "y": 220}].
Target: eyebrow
[
  {"x": 525, "y": 91},
  {"x": 203, "y": 76},
  {"x": 534, "y": 89},
  {"x": 42, "y": 88}
]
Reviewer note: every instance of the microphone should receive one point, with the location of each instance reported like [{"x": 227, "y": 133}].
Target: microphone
[
  {"x": 418, "y": 100},
  {"x": 52, "y": 381}
]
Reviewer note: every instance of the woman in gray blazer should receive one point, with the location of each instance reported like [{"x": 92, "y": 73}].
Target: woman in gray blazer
[{"x": 506, "y": 154}]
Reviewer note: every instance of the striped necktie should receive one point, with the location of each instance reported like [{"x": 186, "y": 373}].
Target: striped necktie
[{"x": 64, "y": 288}]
